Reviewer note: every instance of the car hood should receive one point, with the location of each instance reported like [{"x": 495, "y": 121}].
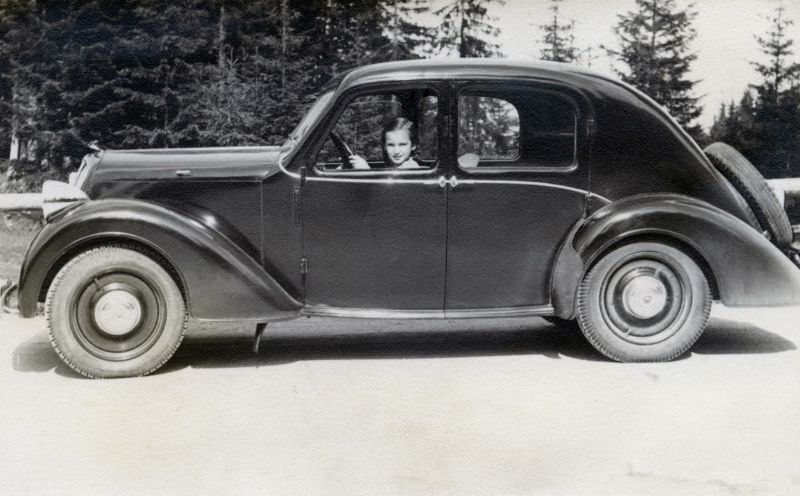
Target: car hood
[{"x": 228, "y": 163}]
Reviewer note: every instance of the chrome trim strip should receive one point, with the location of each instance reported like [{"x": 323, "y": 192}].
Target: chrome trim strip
[
  {"x": 488, "y": 313},
  {"x": 368, "y": 313},
  {"x": 403, "y": 180},
  {"x": 429, "y": 182},
  {"x": 379, "y": 313},
  {"x": 284, "y": 169},
  {"x": 534, "y": 183},
  {"x": 391, "y": 173},
  {"x": 493, "y": 170},
  {"x": 369, "y": 180}
]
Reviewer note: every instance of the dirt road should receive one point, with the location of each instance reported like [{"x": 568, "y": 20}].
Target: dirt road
[{"x": 354, "y": 407}]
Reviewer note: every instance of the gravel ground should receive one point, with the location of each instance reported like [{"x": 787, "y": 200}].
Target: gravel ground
[{"x": 450, "y": 408}]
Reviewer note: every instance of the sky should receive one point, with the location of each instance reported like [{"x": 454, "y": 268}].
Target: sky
[{"x": 725, "y": 43}]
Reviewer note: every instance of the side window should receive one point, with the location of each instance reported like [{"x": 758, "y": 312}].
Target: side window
[
  {"x": 488, "y": 127},
  {"x": 384, "y": 131},
  {"x": 515, "y": 129}
]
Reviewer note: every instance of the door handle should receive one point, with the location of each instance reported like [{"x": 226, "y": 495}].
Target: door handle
[{"x": 452, "y": 181}]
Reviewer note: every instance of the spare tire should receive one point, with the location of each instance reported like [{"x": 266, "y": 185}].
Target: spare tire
[{"x": 755, "y": 190}]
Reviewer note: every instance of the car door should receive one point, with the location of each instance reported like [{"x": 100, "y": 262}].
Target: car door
[
  {"x": 519, "y": 186},
  {"x": 374, "y": 238}
]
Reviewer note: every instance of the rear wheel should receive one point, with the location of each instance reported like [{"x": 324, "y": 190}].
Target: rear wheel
[
  {"x": 644, "y": 302},
  {"x": 115, "y": 312}
]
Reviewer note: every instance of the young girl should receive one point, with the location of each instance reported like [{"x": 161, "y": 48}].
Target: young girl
[{"x": 399, "y": 141}]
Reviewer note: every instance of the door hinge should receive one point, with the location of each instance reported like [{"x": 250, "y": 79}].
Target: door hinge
[
  {"x": 297, "y": 206},
  {"x": 303, "y": 265}
]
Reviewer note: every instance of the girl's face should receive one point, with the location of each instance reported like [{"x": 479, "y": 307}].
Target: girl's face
[{"x": 399, "y": 146}]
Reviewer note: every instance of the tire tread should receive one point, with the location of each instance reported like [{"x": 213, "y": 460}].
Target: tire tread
[
  {"x": 599, "y": 343},
  {"x": 54, "y": 285},
  {"x": 749, "y": 182}
]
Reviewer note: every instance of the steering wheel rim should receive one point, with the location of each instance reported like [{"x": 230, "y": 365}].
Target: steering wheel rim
[{"x": 344, "y": 151}]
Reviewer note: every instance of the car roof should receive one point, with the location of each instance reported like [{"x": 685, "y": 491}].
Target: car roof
[{"x": 472, "y": 68}]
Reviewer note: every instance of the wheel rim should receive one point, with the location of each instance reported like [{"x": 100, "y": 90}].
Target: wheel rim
[
  {"x": 646, "y": 300},
  {"x": 117, "y": 311},
  {"x": 118, "y": 316},
  {"x": 643, "y": 295}
]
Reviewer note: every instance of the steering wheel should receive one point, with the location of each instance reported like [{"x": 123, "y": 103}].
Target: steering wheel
[{"x": 344, "y": 150}]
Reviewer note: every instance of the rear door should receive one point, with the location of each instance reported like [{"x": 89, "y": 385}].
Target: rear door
[{"x": 517, "y": 190}]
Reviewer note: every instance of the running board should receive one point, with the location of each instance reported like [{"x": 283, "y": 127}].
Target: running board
[{"x": 476, "y": 313}]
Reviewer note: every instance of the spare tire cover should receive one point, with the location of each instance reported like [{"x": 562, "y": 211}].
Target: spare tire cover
[{"x": 755, "y": 190}]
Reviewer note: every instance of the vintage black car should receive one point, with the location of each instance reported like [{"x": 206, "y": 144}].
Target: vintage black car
[{"x": 520, "y": 190}]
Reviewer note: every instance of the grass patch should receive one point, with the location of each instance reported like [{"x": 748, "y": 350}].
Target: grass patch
[
  {"x": 16, "y": 233},
  {"x": 18, "y": 229}
]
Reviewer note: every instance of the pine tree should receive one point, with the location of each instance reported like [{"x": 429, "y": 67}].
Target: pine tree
[
  {"x": 558, "y": 37},
  {"x": 21, "y": 84},
  {"x": 114, "y": 72},
  {"x": 340, "y": 34},
  {"x": 169, "y": 43},
  {"x": 142, "y": 73},
  {"x": 654, "y": 47},
  {"x": 465, "y": 27},
  {"x": 779, "y": 74},
  {"x": 255, "y": 91},
  {"x": 734, "y": 125},
  {"x": 776, "y": 123},
  {"x": 719, "y": 126},
  {"x": 405, "y": 38}
]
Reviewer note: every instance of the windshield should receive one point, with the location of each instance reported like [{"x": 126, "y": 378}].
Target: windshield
[{"x": 305, "y": 123}]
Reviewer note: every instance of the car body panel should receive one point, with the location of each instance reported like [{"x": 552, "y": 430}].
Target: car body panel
[
  {"x": 502, "y": 239},
  {"x": 241, "y": 190},
  {"x": 256, "y": 234},
  {"x": 746, "y": 269},
  {"x": 224, "y": 163},
  {"x": 375, "y": 244},
  {"x": 220, "y": 281}
]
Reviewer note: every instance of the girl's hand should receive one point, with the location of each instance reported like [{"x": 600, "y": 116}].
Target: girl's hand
[{"x": 358, "y": 162}]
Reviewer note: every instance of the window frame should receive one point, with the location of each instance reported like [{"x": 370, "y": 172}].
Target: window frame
[
  {"x": 435, "y": 86},
  {"x": 499, "y": 90}
]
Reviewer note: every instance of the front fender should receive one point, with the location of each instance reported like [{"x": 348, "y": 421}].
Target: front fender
[
  {"x": 220, "y": 281},
  {"x": 747, "y": 269}
]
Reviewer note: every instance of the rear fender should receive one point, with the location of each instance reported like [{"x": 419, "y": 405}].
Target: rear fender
[
  {"x": 219, "y": 279},
  {"x": 743, "y": 267}
]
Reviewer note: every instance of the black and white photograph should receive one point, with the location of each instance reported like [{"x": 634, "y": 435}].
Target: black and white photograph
[{"x": 400, "y": 247}]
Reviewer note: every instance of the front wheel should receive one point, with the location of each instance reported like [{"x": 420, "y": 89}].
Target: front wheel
[
  {"x": 115, "y": 312},
  {"x": 644, "y": 302}
]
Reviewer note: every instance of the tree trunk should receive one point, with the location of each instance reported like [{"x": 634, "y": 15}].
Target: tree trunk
[
  {"x": 221, "y": 39},
  {"x": 462, "y": 33},
  {"x": 284, "y": 40}
]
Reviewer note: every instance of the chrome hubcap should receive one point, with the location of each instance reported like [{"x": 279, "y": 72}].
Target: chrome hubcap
[
  {"x": 117, "y": 312},
  {"x": 644, "y": 296}
]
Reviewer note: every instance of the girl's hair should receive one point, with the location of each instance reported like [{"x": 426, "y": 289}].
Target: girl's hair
[{"x": 396, "y": 124}]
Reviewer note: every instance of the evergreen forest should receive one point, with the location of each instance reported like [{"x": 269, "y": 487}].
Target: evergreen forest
[{"x": 190, "y": 73}]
